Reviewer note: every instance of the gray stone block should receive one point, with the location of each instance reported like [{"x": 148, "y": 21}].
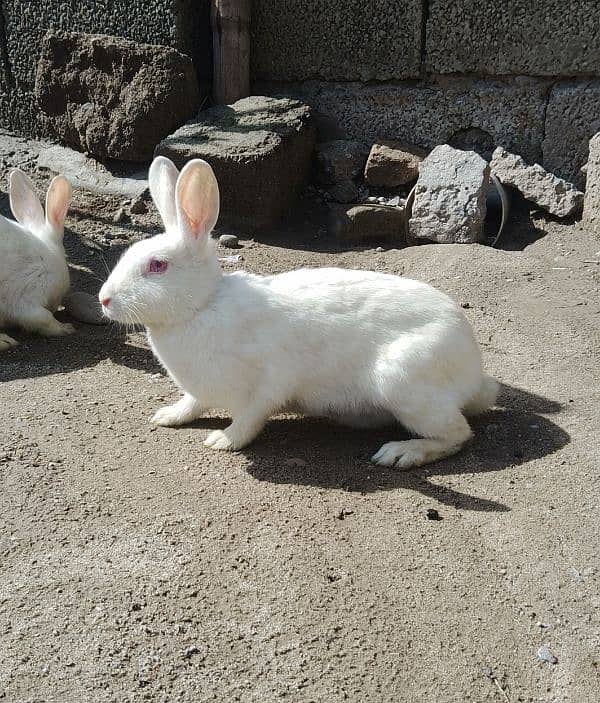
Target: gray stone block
[
  {"x": 543, "y": 38},
  {"x": 546, "y": 190},
  {"x": 393, "y": 164},
  {"x": 572, "y": 119},
  {"x": 339, "y": 160},
  {"x": 449, "y": 204},
  {"x": 344, "y": 192},
  {"x": 112, "y": 97},
  {"x": 509, "y": 113},
  {"x": 367, "y": 223},
  {"x": 591, "y": 208},
  {"x": 333, "y": 40},
  {"x": 260, "y": 149}
]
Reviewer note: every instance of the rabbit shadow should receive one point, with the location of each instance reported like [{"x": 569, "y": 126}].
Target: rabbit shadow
[{"x": 319, "y": 453}]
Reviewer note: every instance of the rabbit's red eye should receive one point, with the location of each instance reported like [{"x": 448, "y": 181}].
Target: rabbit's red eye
[{"x": 157, "y": 266}]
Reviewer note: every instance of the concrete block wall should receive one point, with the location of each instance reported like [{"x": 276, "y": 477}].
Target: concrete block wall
[
  {"x": 182, "y": 24},
  {"x": 520, "y": 73}
]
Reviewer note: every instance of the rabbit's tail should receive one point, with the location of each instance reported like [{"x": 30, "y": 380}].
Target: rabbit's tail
[{"x": 485, "y": 397}]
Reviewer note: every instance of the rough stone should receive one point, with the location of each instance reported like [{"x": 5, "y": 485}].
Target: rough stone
[
  {"x": 183, "y": 25},
  {"x": 260, "y": 149},
  {"x": 546, "y": 38},
  {"x": 392, "y": 164},
  {"x": 549, "y": 192},
  {"x": 88, "y": 174},
  {"x": 572, "y": 119},
  {"x": 367, "y": 223},
  {"x": 339, "y": 160},
  {"x": 229, "y": 240},
  {"x": 84, "y": 307},
  {"x": 344, "y": 192},
  {"x": 112, "y": 97},
  {"x": 449, "y": 202},
  {"x": 334, "y": 40},
  {"x": 591, "y": 207},
  {"x": 506, "y": 112}
]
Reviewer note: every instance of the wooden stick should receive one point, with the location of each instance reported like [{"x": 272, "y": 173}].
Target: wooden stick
[{"x": 230, "y": 21}]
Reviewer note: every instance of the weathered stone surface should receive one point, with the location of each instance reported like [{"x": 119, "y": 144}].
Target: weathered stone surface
[
  {"x": 450, "y": 197},
  {"x": 84, "y": 307},
  {"x": 591, "y": 207},
  {"x": 572, "y": 119},
  {"x": 344, "y": 192},
  {"x": 88, "y": 174},
  {"x": 548, "y": 37},
  {"x": 112, "y": 97},
  {"x": 332, "y": 40},
  {"x": 366, "y": 223},
  {"x": 508, "y": 113},
  {"x": 392, "y": 163},
  {"x": 260, "y": 149},
  {"x": 549, "y": 192},
  {"x": 339, "y": 160}
]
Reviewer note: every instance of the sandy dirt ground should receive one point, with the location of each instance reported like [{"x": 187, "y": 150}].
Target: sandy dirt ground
[{"x": 138, "y": 565}]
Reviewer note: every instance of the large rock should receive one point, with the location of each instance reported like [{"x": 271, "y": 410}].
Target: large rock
[
  {"x": 367, "y": 223},
  {"x": 260, "y": 149},
  {"x": 333, "y": 40},
  {"x": 392, "y": 164},
  {"x": 539, "y": 37},
  {"x": 112, "y": 97},
  {"x": 339, "y": 160},
  {"x": 549, "y": 192},
  {"x": 450, "y": 197},
  {"x": 572, "y": 119},
  {"x": 591, "y": 207},
  {"x": 507, "y": 113}
]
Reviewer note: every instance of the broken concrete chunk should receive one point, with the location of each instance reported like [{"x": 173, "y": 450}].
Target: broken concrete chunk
[
  {"x": 344, "y": 192},
  {"x": 392, "y": 164},
  {"x": 553, "y": 194},
  {"x": 88, "y": 174},
  {"x": 591, "y": 206},
  {"x": 450, "y": 197},
  {"x": 366, "y": 223},
  {"x": 338, "y": 161},
  {"x": 112, "y": 97},
  {"x": 260, "y": 149}
]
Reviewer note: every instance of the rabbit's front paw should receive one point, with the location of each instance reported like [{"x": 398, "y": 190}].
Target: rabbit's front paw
[
  {"x": 169, "y": 416},
  {"x": 7, "y": 342},
  {"x": 219, "y": 440}
]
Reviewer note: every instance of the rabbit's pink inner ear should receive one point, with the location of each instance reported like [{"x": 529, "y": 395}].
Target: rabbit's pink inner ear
[
  {"x": 58, "y": 200},
  {"x": 197, "y": 199},
  {"x": 162, "y": 180},
  {"x": 24, "y": 202}
]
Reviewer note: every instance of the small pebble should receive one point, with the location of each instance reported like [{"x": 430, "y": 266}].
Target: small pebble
[
  {"x": 432, "y": 514},
  {"x": 229, "y": 240},
  {"x": 545, "y": 655},
  {"x": 343, "y": 514},
  {"x": 120, "y": 216},
  {"x": 379, "y": 249},
  {"x": 395, "y": 201},
  {"x": 85, "y": 308},
  {"x": 138, "y": 207},
  {"x": 466, "y": 306}
]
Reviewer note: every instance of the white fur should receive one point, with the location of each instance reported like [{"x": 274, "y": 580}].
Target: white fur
[
  {"x": 34, "y": 276},
  {"x": 361, "y": 347}
]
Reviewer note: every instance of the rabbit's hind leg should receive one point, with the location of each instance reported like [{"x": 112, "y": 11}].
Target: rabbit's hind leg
[
  {"x": 7, "y": 342},
  {"x": 43, "y": 322}
]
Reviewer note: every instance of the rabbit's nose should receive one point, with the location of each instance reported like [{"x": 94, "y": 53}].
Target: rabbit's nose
[{"x": 105, "y": 302}]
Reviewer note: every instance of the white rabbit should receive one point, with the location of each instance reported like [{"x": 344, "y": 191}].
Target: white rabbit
[
  {"x": 358, "y": 346},
  {"x": 34, "y": 276}
]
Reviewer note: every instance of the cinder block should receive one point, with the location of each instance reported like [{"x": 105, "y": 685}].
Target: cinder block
[
  {"x": 543, "y": 38},
  {"x": 260, "y": 149},
  {"x": 572, "y": 118},
  {"x": 506, "y": 113},
  {"x": 333, "y": 40}
]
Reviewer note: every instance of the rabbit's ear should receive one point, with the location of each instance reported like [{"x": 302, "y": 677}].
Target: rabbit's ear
[
  {"x": 58, "y": 200},
  {"x": 24, "y": 202},
  {"x": 197, "y": 198},
  {"x": 162, "y": 179}
]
